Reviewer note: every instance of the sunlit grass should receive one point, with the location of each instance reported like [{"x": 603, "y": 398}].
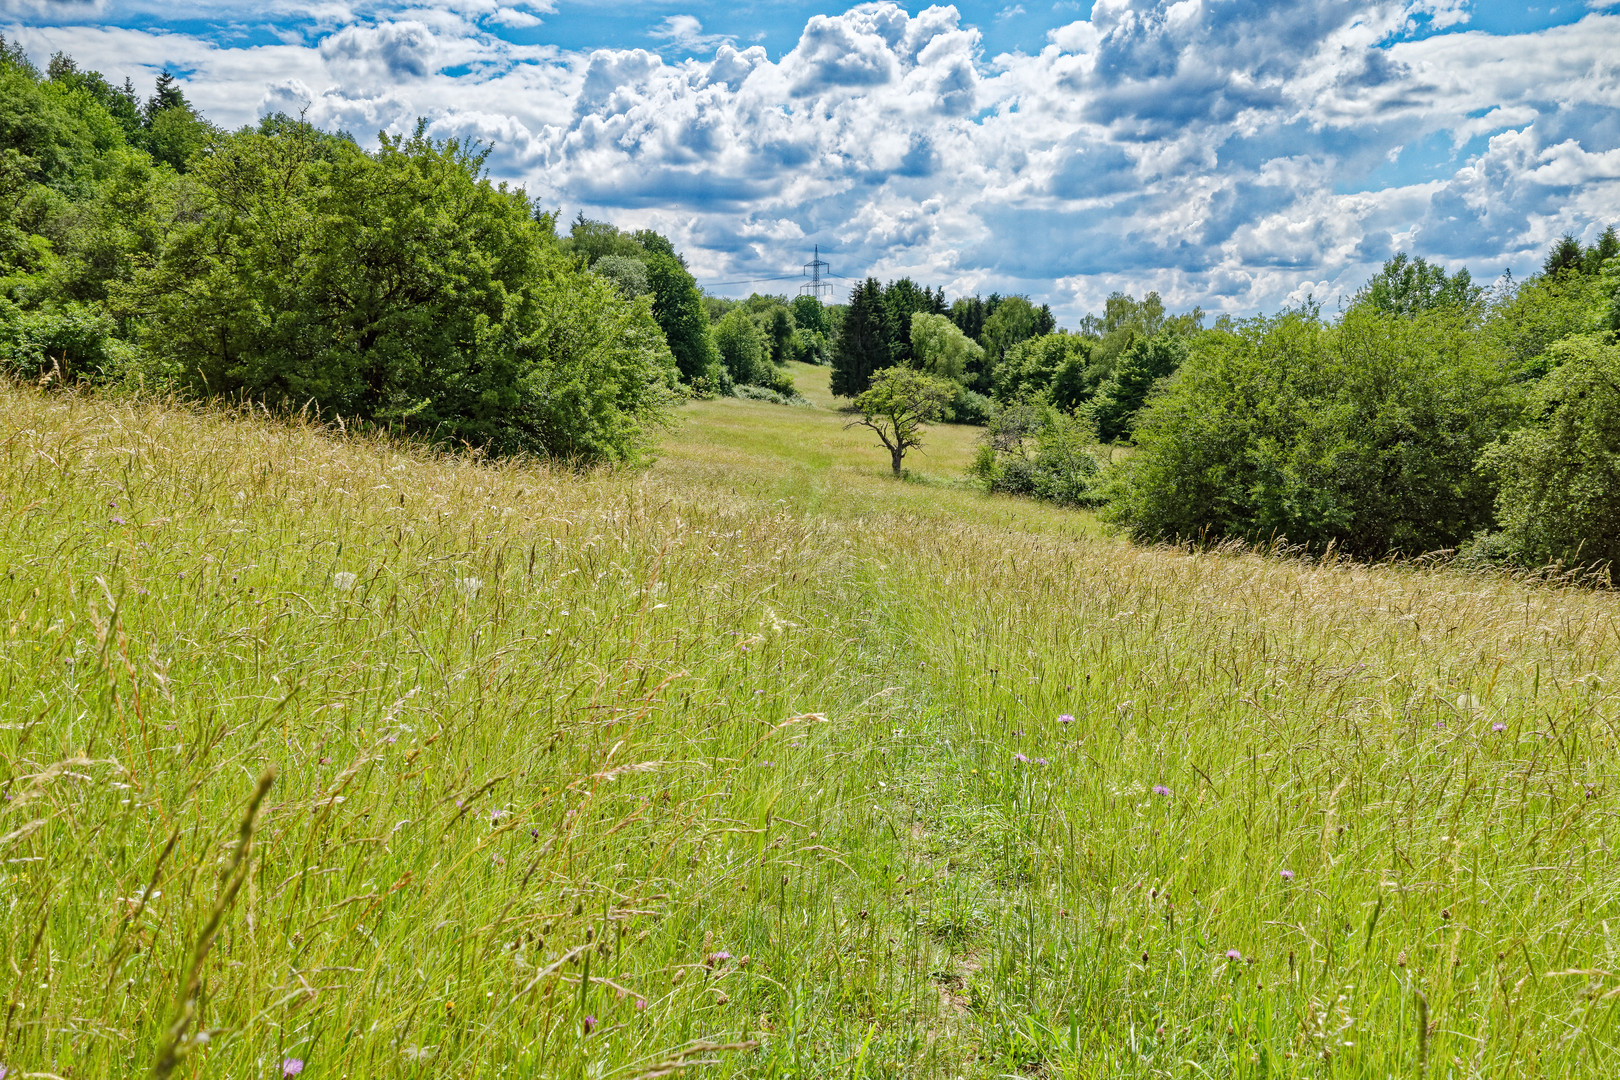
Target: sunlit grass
[{"x": 724, "y": 756}]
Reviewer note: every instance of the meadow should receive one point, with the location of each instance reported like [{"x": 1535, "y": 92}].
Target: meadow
[{"x": 327, "y": 756}]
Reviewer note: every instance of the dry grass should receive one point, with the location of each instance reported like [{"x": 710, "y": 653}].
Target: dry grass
[{"x": 563, "y": 739}]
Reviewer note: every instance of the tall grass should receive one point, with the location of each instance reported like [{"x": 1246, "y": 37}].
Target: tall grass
[{"x": 319, "y": 749}]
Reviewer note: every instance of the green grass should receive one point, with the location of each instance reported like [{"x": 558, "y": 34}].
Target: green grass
[{"x": 563, "y": 739}]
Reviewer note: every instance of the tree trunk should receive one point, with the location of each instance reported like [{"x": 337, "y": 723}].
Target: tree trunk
[{"x": 897, "y": 454}]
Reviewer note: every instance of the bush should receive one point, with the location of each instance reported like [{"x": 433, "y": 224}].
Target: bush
[
  {"x": 65, "y": 343},
  {"x": 968, "y": 407},
  {"x": 1560, "y": 478},
  {"x": 1364, "y": 434},
  {"x": 400, "y": 288},
  {"x": 775, "y": 397},
  {"x": 1043, "y": 452}
]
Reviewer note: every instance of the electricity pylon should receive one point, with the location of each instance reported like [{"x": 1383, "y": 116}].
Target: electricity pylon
[{"x": 821, "y": 290}]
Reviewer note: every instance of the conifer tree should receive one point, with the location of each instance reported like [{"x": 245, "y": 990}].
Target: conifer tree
[{"x": 862, "y": 347}]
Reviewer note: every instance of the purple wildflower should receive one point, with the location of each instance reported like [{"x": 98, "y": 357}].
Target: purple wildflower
[
  {"x": 1020, "y": 758},
  {"x": 116, "y": 520},
  {"x": 292, "y": 1066},
  {"x": 718, "y": 958},
  {"x": 1233, "y": 954},
  {"x": 1160, "y": 789},
  {"x": 1286, "y": 875},
  {"x": 1499, "y": 726},
  {"x": 1066, "y": 719},
  {"x": 641, "y": 1004},
  {"x": 1042, "y": 761},
  {"x": 588, "y": 1023}
]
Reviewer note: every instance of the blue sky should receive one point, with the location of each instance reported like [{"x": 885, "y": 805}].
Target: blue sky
[{"x": 1232, "y": 154}]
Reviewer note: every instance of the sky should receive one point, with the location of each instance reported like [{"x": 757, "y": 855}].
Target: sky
[{"x": 1235, "y": 155}]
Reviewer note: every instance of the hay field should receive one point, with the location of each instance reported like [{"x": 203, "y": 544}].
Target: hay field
[{"x": 323, "y": 754}]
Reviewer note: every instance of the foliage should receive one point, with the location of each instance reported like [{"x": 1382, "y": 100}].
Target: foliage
[
  {"x": 61, "y": 344},
  {"x": 1560, "y": 478},
  {"x": 1411, "y": 286},
  {"x": 1363, "y": 434},
  {"x": 677, "y": 305},
  {"x": 940, "y": 349},
  {"x": 400, "y": 288},
  {"x": 1146, "y": 361},
  {"x": 809, "y": 314},
  {"x": 1523, "y": 320},
  {"x": 902, "y": 300},
  {"x": 897, "y": 404},
  {"x": 1053, "y": 365},
  {"x": 1031, "y": 448},
  {"x": 1013, "y": 320},
  {"x": 862, "y": 346},
  {"x": 743, "y": 349},
  {"x": 628, "y": 273}
]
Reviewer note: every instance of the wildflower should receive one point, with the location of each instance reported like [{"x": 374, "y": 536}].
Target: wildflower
[
  {"x": 1042, "y": 761},
  {"x": 116, "y": 520},
  {"x": 1020, "y": 758},
  {"x": 1286, "y": 875},
  {"x": 1233, "y": 954},
  {"x": 1160, "y": 789},
  {"x": 292, "y": 1066},
  {"x": 469, "y": 585},
  {"x": 343, "y": 581},
  {"x": 1066, "y": 719},
  {"x": 641, "y": 1004},
  {"x": 718, "y": 958},
  {"x": 1499, "y": 726},
  {"x": 588, "y": 1023}
]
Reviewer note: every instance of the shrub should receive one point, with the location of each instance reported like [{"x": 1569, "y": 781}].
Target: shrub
[
  {"x": 1034, "y": 449},
  {"x": 968, "y": 407},
  {"x": 401, "y": 288},
  {"x": 64, "y": 343},
  {"x": 1364, "y": 434},
  {"x": 1560, "y": 478}
]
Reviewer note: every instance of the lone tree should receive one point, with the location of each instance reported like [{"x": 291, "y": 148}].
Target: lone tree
[{"x": 897, "y": 405}]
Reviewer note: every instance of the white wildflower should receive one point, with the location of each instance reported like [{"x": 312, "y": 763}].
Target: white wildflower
[{"x": 343, "y": 581}]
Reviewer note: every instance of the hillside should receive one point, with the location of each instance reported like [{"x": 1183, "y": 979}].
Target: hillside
[{"x": 759, "y": 759}]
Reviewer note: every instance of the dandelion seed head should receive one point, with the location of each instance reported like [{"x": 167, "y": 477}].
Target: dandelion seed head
[
  {"x": 343, "y": 581},
  {"x": 469, "y": 585}
]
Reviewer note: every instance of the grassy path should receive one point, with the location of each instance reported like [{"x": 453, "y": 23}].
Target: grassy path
[{"x": 762, "y": 760}]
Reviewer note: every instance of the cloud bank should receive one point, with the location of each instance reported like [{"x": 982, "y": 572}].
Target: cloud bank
[{"x": 1234, "y": 154}]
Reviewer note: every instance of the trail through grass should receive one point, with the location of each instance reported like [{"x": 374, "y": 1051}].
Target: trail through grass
[{"x": 760, "y": 763}]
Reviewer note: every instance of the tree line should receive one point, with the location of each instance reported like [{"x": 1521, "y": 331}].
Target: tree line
[{"x": 1430, "y": 414}]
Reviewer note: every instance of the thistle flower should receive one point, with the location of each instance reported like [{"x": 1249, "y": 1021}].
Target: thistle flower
[
  {"x": 1020, "y": 758},
  {"x": 1233, "y": 954},
  {"x": 588, "y": 1023},
  {"x": 1160, "y": 789},
  {"x": 1042, "y": 761},
  {"x": 289, "y": 1067},
  {"x": 1286, "y": 875},
  {"x": 1499, "y": 726},
  {"x": 718, "y": 958},
  {"x": 1066, "y": 718},
  {"x": 343, "y": 581}
]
